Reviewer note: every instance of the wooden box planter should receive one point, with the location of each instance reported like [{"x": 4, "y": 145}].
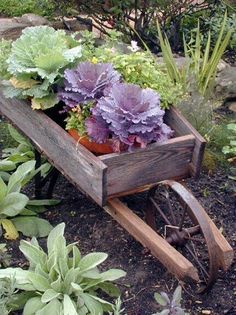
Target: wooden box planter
[{"x": 113, "y": 174}]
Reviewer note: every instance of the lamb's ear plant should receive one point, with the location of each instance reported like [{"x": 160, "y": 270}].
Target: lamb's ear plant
[
  {"x": 171, "y": 306},
  {"x": 117, "y": 307},
  {"x": 21, "y": 153},
  {"x": 7, "y": 291},
  {"x": 17, "y": 212},
  {"x": 61, "y": 281}
]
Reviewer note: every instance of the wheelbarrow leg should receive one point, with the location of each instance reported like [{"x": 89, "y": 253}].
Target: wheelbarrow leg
[
  {"x": 53, "y": 180},
  {"x": 166, "y": 254},
  {"x": 37, "y": 179},
  {"x": 40, "y": 182}
]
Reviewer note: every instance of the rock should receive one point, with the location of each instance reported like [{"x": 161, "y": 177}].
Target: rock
[
  {"x": 80, "y": 24},
  {"x": 222, "y": 65},
  {"x": 12, "y": 28},
  {"x": 32, "y": 19},
  {"x": 226, "y": 83},
  {"x": 180, "y": 61},
  {"x": 232, "y": 106}
]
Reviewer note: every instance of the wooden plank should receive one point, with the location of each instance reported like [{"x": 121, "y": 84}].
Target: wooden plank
[
  {"x": 225, "y": 251},
  {"x": 131, "y": 170},
  {"x": 182, "y": 127},
  {"x": 166, "y": 254},
  {"x": 216, "y": 241},
  {"x": 80, "y": 166}
]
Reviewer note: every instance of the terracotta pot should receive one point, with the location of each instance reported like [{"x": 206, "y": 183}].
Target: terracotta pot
[{"x": 103, "y": 148}]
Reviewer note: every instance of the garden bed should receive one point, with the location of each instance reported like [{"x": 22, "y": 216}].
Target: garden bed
[{"x": 95, "y": 230}]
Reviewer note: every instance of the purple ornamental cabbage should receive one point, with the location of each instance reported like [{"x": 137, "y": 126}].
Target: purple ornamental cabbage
[
  {"x": 87, "y": 82},
  {"x": 133, "y": 115}
]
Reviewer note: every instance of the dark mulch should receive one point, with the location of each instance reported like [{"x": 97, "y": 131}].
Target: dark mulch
[{"x": 95, "y": 230}]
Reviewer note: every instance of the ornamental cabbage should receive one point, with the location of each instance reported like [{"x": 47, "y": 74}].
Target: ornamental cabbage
[
  {"x": 133, "y": 116},
  {"x": 87, "y": 82},
  {"x": 37, "y": 61}
]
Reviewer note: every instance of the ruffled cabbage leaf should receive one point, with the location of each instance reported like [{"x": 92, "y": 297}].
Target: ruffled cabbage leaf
[
  {"x": 132, "y": 115},
  {"x": 37, "y": 62},
  {"x": 87, "y": 82}
]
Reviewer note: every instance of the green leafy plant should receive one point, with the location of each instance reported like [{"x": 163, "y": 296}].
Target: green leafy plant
[
  {"x": 117, "y": 308},
  {"x": 16, "y": 8},
  {"x": 5, "y": 49},
  {"x": 4, "y": 256},
  {"x": 37, "y": 62},
  {"x": 214, "y": 23},
  {"x": 201, "y": 65},
  {"x": 21, "y": 153},
  {"x": 61, "y": 281},
  {"x": 231, "y": 148},
  {"x": 7, "y": 291},
  {"x": 17, "y": 212},
  {"x": 172, "y": 306}
]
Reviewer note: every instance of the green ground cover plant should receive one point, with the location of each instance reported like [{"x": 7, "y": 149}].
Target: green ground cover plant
[
  {"x": 61, "y": 280},
  {"x": 18, "y": 212},
  {"x": 11, "y": 8},
  {"x": 171, "y": 306}
]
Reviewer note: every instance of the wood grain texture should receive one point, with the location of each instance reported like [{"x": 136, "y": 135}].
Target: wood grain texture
[
  {"x": 130, "y": 170},
  {"x": 80, "y": 166},
  {"x": 225, "y": 251},
  {"x": 166, "y": 254},
  {"x": 221, "y": 250},
  {"x": 182, "y": 127}
]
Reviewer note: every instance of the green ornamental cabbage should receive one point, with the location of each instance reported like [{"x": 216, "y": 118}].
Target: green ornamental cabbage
[{"x": 37, "y": 62}]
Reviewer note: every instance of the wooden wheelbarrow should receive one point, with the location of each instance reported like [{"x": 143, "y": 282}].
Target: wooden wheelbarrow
[{"x": 178, "y": 230}]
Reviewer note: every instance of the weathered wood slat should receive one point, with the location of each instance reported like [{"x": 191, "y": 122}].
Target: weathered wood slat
[
  {"x": 222, "y": 248},
  {"x": 80, "y": 166},
  {"x": 130, "y": 170},
  {"x": 182, "y": 127},
  {"x": 225, "y": 251},
  {"x": 168, "y": 255}
]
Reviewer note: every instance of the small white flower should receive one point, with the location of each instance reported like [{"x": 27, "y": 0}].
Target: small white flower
[
  {"x": 134, "y": 46},
  {"x": 113, "y": 50}
]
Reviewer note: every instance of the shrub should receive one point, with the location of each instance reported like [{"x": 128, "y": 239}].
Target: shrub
[
  {"x": 17, "y": 8},
  {"x": 141, "y": 15}
]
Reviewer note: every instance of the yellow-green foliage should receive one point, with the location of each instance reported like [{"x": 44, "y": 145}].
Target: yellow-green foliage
[
  {"x": 17, "y": 8},
  {"x": 5, "y": 48}
]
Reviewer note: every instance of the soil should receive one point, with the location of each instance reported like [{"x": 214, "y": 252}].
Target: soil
[{"x": 95, "y": 230}]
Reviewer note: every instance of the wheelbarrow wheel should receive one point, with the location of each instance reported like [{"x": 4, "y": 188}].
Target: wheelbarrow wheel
[{"x": 179, "y": 218}]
